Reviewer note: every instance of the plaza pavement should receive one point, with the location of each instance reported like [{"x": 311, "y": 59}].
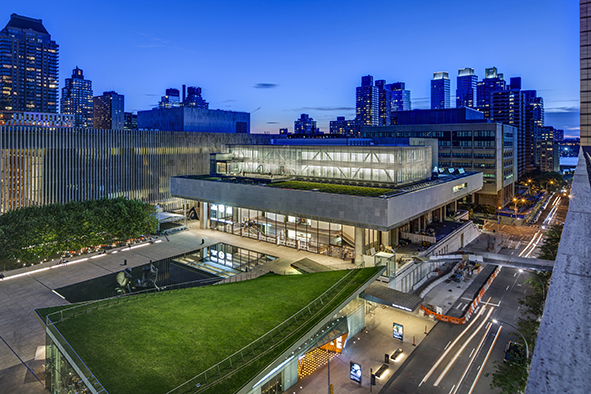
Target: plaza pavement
[{"x": 20, "y": 296}]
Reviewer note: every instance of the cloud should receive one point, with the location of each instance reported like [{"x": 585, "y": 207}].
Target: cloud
[
  {"x": 340, "y": 109},
  {"x": 150, "y": 94},
  {"x": 562, "y": 109},
  {"x": 228, "y": 101},
  {"x": 256, "y": 109},
  {"x": 272, "y": 122},
  {"x": 265, "y": 85}
]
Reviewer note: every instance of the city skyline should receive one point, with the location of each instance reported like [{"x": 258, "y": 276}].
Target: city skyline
[{"x": 263, "y": 58}]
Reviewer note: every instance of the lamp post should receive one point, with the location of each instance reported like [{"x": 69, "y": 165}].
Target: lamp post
[
  {"x": 499, "y": 222},
  {"x": 515, "y": 201},
  {"x": 511, "y": 325}
]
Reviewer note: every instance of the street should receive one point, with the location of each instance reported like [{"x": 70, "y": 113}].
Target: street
[{"x": 451, "y": 358}]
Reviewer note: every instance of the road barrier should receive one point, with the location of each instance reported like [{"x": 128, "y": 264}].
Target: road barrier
[{"x": 473, "y": 305}]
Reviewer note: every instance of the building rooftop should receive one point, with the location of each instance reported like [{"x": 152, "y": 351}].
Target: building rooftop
[
  {"x": 135, "y": 346},
  {"x": 26, "y": 23}
]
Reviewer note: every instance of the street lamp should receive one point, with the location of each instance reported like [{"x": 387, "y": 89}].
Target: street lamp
[
  {"x": 511, "y": 325},
  {"x": 515, "y": 201}
]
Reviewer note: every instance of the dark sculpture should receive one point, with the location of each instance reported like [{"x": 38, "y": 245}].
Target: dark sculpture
[{"x": 149, "y": 276}]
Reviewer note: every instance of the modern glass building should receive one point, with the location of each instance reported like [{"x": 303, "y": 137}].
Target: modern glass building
[
  {"x": 492, "y": 82},
  {"x": 77, "y": 99},
  {"x": 40, "y": 166},
  {"x": 440, "y": 90},
  {"x": 385, "y": 164},
  {"x": 28, "y": 67},
  {"x": 305, "y": 125},
  {"x": 400, "y": 97},
  {"x": 466, "y": 88}
]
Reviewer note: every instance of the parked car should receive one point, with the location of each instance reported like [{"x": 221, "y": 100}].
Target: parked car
[{"x": 514, "y": 351}]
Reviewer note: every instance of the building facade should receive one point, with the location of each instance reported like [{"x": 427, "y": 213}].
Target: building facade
[
  {"x": 108, "y": 111},
  {"x": 51, "y": 120},
  {"x": 77, "y": 99},
  {"x": 491, "y": 82},
  {"x": 343, "y": 126},
  {"x": 483, "y": 147},
  {"x": 367, "y": 102},
  {"x": 187, "y": 118},
  {"x": 38, "y": 167},
  {"x": 440, "y": 90},
  {"x": 466, "y": 88},
  {"x": 28, "y": 67},
  {"x": 305, "y": 125},
  {"x": 400, "y": 97}
]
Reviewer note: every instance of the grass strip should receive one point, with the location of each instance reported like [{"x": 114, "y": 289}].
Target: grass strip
[{"x": 331, "y": 188}]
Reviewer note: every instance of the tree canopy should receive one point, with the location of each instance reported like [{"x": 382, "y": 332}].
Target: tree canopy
[{"x": 30, "y": 235}]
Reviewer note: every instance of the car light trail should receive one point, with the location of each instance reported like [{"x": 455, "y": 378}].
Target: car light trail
[
  {"x": 453, "y": 360},
  {"x": 472, "y": 358},
  {"x": 485, "y": 360},
  {"x": 449, "y": 348}
]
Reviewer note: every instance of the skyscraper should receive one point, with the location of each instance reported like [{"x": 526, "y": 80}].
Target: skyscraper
[
  {"x": 367, "y": 103},
  {"x": 400, "y": 97},
  {"x": 466, "y": 88},
  {"x": 385, "y": 102},
  {"x": 533, "y": 124},
  {"x": 108, "y": 111},
  {"x": 491, "y": 82},
  {"x": 28, "y": 67},
  {"x": 440, "y": 90},
  {"x": 508, "y": 107},
  {"x": 77, "y": 99}
]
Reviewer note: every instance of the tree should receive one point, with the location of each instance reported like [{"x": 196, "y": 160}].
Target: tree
[
  {"x": 510, "y": 377},
  {"x": 549, "y": 250}
]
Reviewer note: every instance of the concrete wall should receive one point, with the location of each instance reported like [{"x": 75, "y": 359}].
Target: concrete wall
[{"x": 368, "y": 212}]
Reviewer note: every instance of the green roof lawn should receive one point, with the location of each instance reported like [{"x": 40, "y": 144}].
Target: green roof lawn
[
  {"x": 331, "y": 188},
  {"x": 155, "y": 343}
]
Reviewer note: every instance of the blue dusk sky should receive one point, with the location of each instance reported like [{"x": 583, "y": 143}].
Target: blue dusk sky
[{"x": 278, "y": 59}]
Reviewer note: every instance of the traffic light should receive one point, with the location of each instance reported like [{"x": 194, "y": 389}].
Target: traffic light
[{"x": 331, "y": 389}]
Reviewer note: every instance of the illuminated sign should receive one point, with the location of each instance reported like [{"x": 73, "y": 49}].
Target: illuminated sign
[
  {"x": 355, "y": 372},
  {"x": 397, "y": 331}
]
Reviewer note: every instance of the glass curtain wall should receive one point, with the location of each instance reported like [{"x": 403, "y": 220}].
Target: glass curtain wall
[{"x": 299, "y": 233}]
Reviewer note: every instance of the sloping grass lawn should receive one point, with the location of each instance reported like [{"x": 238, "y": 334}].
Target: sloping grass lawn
[
  {"x": 155, "y": 343},
  {"x": 337, "y": 189}
]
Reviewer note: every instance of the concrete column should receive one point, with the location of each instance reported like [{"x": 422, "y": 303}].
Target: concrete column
[
  {"x": 455, "y": 205},
  {"x": 394, "y": 238},
  {"x": 385, "y": 238},
  {"x": 442, "y": 213},
  {"x": 204, "y": 215},
  {"x": 359, "y": 244}
]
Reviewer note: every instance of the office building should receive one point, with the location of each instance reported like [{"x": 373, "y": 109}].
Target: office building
[
  {"x": 547, "y": 155},
  {"x": 305, "y": 125},
  {"x": 400, "y": 97},
  {"x": 385, "y": 102},
  {"x": 188, "y": 118},
  {"x": 492, "y": 82},
  {"x": 130, "y": 122},
  {"x": 344, "y": 127},
  {"x": 440, "y": 90},
  {"x": 466, "y": 88},
  {"x": 108, "y": 111},
  {"x": 28, "y": 67},
  {"x": 79, "y": 164},
  {"x": 477, "y": 146},
  {"x": 77, "y": 99},
  {"x": 533, "y": 124},
  {"x": 367, "y": 102},
  {"x": 508, "y": 107}
]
